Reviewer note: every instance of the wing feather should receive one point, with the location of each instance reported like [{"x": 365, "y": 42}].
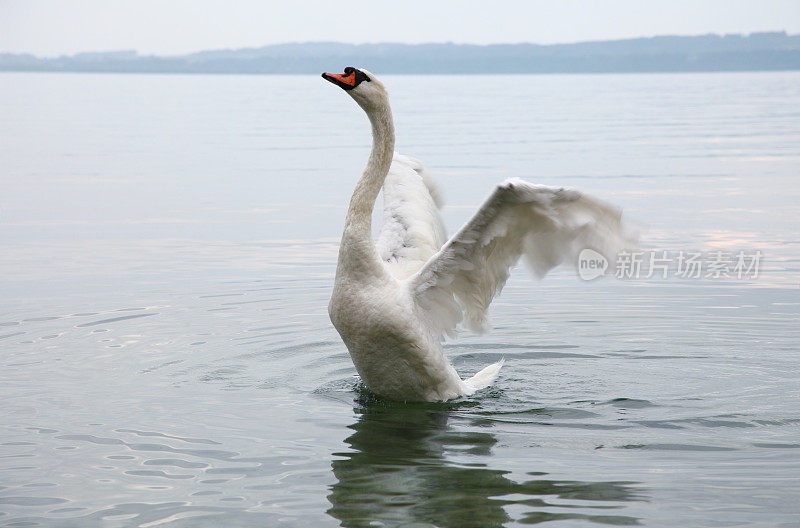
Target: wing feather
[
  {"x": 547, "y": 225},
  {"x": 412, "y": 230}
]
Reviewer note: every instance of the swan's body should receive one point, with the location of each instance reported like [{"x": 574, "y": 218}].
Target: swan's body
[{"x": 393, "y": 302}]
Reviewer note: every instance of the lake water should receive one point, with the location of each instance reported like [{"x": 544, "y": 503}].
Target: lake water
[{"x": 167, "y": 249}]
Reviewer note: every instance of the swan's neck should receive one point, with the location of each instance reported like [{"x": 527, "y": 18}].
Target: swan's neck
[
  {"x": 359, "y": 214},
  {"x": 358, "y": 250}
]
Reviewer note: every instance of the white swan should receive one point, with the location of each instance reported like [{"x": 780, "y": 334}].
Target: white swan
[{"x": 393, "y": 302}]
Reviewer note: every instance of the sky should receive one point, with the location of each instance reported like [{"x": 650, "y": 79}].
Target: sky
[{"x": 170, "y": 27}]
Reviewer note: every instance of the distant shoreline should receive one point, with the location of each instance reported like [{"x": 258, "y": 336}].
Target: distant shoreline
[
  {"x": 774, "y": 51},
  {"x": 431, "y": 74}
]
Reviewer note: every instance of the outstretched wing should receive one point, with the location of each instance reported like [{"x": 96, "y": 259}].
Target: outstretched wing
[
  {"x": 412, "y": 230},
  {"x": 547, "y": 225}
]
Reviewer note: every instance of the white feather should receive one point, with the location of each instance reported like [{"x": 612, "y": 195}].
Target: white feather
[
  {"x": 412, "y": 230},
  {"x": 547, "y": 225}
]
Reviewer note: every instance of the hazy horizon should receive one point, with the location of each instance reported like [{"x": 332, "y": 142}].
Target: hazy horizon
[
  {"x": 760, "y": 51},
  {"x": 50, "y": 29},
  {"x": 381, "y": 43}
]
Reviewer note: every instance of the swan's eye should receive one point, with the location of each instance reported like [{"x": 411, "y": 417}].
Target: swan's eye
[{"x": 360, "y": 77}]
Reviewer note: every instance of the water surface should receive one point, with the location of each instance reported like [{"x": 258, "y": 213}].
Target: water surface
[{"x": 167, "y": 248}]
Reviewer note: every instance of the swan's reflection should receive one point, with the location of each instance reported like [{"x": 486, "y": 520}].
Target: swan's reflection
[{"x": 397, "y": 472}]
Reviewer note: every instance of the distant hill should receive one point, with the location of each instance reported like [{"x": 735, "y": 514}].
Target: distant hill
[{"x": 757, "y": 51}]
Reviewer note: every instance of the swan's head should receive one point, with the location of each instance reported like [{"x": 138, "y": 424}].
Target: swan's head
[{"x": 361, "y": 85}]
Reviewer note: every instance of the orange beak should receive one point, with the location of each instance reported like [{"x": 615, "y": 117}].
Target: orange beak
[{"x": 345, "y": 81}]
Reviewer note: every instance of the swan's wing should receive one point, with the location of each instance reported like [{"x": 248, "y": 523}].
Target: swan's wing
[
  {"x": 547, "y": 225},
  {"x": 412, "y": 229}
]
